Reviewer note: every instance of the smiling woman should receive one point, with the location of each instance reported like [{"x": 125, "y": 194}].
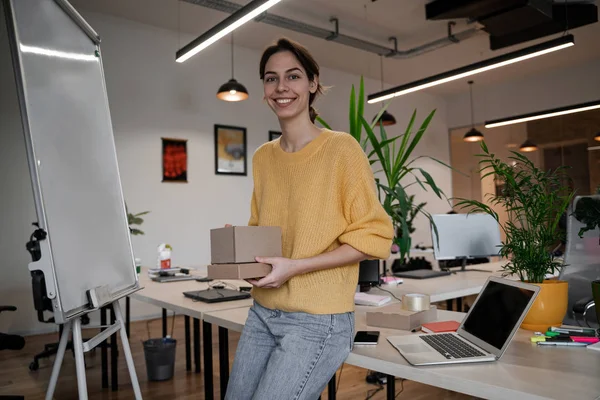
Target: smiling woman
[
  {"x": 285, "y": 85},
  {"x": 317, "y": 185}
]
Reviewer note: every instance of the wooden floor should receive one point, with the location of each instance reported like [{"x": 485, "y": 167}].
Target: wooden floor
[{"x": 15, "y": 377}]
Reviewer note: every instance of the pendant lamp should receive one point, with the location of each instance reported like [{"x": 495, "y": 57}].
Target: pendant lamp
[
  {"x": 473, "y": 135},
  {"x": 597, "y": 137},
  {"x": 528, "y": 146},
  {"x": 386, "y": 118},
  {"x": 232, "y": 90}
]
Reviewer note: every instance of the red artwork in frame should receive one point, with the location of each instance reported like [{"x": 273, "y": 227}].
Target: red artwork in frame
[{"x": 174, "y": 160}]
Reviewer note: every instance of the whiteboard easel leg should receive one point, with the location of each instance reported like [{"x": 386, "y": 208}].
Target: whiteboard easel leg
[
  {"x": 79, "y": 361},
  {"x": 127, "y": 351},
  {"x": 60, "y": 354}
]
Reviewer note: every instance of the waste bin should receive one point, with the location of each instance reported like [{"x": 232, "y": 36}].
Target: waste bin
[{"x": 160, "y": 358}]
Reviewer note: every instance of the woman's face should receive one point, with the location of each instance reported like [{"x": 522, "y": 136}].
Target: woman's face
[{"x": 286, "y": 85}]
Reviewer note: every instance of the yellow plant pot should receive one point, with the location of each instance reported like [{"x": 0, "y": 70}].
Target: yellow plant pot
[{"x": 549, "y": 308}]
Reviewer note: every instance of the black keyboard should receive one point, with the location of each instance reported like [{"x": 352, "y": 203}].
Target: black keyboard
[{"x": 451, "y": 346}]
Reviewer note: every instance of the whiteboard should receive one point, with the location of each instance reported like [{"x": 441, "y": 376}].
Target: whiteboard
[
  {"x": 465, "y": 236},
  {"x": 71, "y": 153}
]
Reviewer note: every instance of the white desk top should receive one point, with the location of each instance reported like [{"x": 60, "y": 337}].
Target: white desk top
[
  {"x": 169, "y": 295},
  {"x": 526, "y": 371},
  {"x": 459, "y": 284}
]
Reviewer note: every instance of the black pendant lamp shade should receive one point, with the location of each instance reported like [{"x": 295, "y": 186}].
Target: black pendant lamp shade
[
  {"x": 473, "y": 135},
  {"x": 386, "y": 118},
  {"x": 528, "y": 146},
  {"x": 232, "y": 90}
]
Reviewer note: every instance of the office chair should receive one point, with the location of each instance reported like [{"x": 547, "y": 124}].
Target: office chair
[
  {"x": 41, "y": 302},
  {"x": 581, "y": 268},
  {"x": 11, "y": 342}
]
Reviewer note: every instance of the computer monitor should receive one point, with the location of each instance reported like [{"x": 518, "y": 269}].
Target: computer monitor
[
  {"x": 465, "y": 236},
  {"x": 368, "y": 274}
]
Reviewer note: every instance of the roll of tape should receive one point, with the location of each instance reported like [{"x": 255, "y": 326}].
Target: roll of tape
[{"x": 415, "y": 302}]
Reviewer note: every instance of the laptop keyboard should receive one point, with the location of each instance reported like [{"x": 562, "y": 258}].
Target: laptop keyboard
[{"x": 451, "y": 346}]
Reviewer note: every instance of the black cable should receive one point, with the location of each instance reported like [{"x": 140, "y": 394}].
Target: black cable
[
  {"x": 401, "y": 388},
  {"x": 393, "y": 295},
  {"x": 374, "y": 392}
]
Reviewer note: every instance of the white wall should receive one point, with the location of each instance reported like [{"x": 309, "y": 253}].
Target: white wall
[
  {"x": 151, "y": 96},
  {"x": 544, "y": 91}
]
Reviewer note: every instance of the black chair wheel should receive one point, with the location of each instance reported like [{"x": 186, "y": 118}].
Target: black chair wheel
[{"x": 34, "y": 366}]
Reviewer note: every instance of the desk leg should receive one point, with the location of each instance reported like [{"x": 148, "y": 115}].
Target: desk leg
[
  {"x": 164, "y": 322},
  {"x": 197, "y": 344},
  {"x": 208, "y": 360},
  {"x": 127, "y": 314},
  {"x": 223, "y": 359},
  {"x": 331, "y": 389},
  {"x": 391, "y": 387},
  {"x": 114, "y": 373},
  {"x": 188, "y": 356},
  {"x": 104, "y": 350},
  {"x": 459, "y": 304}
]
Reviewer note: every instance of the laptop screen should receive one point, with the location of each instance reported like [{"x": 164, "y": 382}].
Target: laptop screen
[{"x": 497, "y": 310}]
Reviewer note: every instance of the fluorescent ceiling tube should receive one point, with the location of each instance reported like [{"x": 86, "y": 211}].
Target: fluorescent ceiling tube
[
  {"x": 223, "y": 28},
  {"x": 544, "y": 114},
  {"x": 481, "y": 66}
]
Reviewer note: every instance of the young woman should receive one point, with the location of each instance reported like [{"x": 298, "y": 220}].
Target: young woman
[{"x": 317, "y": 185}]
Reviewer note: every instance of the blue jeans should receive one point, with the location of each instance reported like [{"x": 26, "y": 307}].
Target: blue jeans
[{"x": 287, "y": 356}]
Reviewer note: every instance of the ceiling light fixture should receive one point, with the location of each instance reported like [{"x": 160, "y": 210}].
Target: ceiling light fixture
[
  {"x": 473, "y": 135},
  {"x": 476, "y": 68},
  {"x": 597, "y": 137},
  {"x": 228, "y": 25},
  {"x": 528, "y": 146},
  {"x": 232, "y": 90},
  {"x": 544, "y": 114},
  {"x": 386, "y": 118}
]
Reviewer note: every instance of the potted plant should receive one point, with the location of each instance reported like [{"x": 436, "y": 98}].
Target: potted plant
[
  {"x": 393, "y": 156},
  {"x": 534, "y": 201},
  {"x": 135, "y": 219}
]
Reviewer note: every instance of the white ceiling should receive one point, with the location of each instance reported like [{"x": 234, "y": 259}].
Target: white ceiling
[{"x": 365, "y": 19}]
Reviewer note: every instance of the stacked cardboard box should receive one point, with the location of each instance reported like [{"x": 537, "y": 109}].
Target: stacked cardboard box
[
  {"x": 234, "y": 250},
  {"x": 394, "y": 316}
]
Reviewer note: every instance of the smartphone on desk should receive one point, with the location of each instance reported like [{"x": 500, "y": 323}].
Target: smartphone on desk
[{"x": 366, "y": 337}]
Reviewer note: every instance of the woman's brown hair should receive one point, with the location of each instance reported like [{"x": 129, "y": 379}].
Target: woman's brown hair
[{"x": 304, "y": 58}]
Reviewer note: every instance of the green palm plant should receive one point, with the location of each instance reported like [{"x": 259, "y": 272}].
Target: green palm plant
[
  {"x": 135, "y": 219},
  {"x": 534, "y": 201},
  {"x": 393, "y": 155}
]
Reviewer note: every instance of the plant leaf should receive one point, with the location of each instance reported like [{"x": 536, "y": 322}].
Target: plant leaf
[{"x": 322, "y": 122}]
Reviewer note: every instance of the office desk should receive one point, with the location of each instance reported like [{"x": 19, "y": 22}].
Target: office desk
[
  {"x": 446, "y": 288},
  {"x": 169, "y": 296},
  {"x": 526, "y": 371}
]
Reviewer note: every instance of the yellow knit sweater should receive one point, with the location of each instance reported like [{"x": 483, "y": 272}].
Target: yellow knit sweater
[{"x": 322, "y": 197}]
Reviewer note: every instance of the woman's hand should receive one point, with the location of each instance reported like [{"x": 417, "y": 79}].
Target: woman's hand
[{"x": 283, "y": 270}]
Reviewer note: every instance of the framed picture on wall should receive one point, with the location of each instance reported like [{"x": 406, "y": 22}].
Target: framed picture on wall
[
  {"x": 174, "y": 160},
  {"x": 230, "y": 150},
  {"x": 274, "y": 135}
]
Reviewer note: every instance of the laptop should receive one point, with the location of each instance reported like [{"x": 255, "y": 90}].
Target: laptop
[
  {"x": 216, "y": 295},
  {"x": 485, "y": 332}
]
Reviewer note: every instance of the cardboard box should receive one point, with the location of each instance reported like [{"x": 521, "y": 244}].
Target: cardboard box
[
  {"x": 242, "y": 244},
  {"x": 238, "y": 271},
  {"x": 394, "y": 317}
]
